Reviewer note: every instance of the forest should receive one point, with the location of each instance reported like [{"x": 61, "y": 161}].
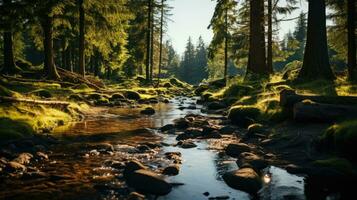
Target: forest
[{"x": 96, "y": 102}]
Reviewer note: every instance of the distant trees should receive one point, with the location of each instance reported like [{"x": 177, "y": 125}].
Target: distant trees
[{"x": 351, "y": 28}]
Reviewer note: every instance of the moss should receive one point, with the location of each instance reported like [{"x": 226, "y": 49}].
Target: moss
[
  {"x": 243, "y": 115},
  {"x": 13, "y": 129},
  {"x": 338, "y": 164},
  {"x": 255, "y": 128},
  {"x": 167, "y": 85},
  {"x": 237, "y": 90},
  {"x": 176, "y": 82},
  {"x": 75, "y": 97},
  {"x": 5, "y": 92},
  {"x": 341, "y": 138}
]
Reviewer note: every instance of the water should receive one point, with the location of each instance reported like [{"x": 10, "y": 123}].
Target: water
[{"x": 90, "y": 177}]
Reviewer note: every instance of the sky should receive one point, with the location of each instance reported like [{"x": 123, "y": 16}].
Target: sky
[{"x": 192, "y": 17}]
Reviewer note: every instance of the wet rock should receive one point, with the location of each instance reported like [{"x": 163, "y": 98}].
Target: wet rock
[
  {"x": 103, "y": 147},
  {"x": 23, "y": 158},
  {"x": 213, "y": 135},
  {"x": 255, "y": 130},
  {"x": 181, "y": 123},
  {"x": 186, "y": 144},
  {"x": 41, "y": 156},
  {"x": 227, "y": 130},
  {"x": 136, "y": 196},
  {"x": 131, "y": 167},
  {"x": 56, "y": 177},
  {"x": 132, "y": 95},
  {"x": 117, "y": 96},
  {"x": 192, "y": 107},
  {"x": 148, "y": 182},
  {"x": 252, "y": 160},
  {"x": 219, "y": 197},
  {"x": 206, "y": 194},
  {"x": 148, "y": 111},
  {"x": 209, "y": 129},
  {"x": 15, "y": 167},
  {"x": 143, "y": 148},
  {"x": 153, "y": 145},
  {"x": 171, "y": 170},
  {"x": 235, "y": 149},
  {"x": 245, "y": 179},
  {"x": 167, "y": 127},
  {"x": 216, "y": 105},
  {"x": 117, "y": 165},
  {"x": 190, "y": 133}
]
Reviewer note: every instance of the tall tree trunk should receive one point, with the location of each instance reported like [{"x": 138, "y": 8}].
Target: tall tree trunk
[
  {"x": 226, "y": 46},
  {"x": 148, "y": 41},
  {"x": 70, "y": 58},
  {"x": 270, "y": 37},
  {"x": 63, "y": 54},
  {"x": 152, "y": 43},
  {"x": 257, "y": 56},
  {"x": 351, "y": 23},
  {"x": 49, "y": 64},
  {"x": 9, "y": 61},
  {"x": 316, "y": 61},
  {"x": 81, "y": 58},
  {"x": 161, "y": 37}
]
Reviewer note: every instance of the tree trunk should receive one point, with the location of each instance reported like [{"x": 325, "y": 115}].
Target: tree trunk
[
  {"x": 226, "y": 46},
  {"x": 63, "y": 54},
  {"x": 257, "y": 56},
  {"x": 316, "y": 61},
  {"x": 81, "y": 58},
  {"x": 9, "y": 61},
  {"x": 49, "y": 64},
  {"x": 148, "y": 41},
  {"x": 161, "y": 38},
  {"x": 352, "y": 71},
  {"x": 270, "y": 37},
  {"x": 152, "y": 43}
]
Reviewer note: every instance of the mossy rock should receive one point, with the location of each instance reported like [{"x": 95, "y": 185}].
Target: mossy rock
[
  {"x": 341, "y": 138},
  {"x": 42, "y": 93},
  {"x": 102, "y": 101},
  {"x": 117, "y": 96},
  {"x": 237, "y": 90},
  {"x": 176, "y": 82},
  {"x": 82, "y": 86},
  {"x": 200, "y": 89},
  {"x": 340, "y": 165},
  {"x": 132, "y": 95},
  {"x": 256, "y": 129},
  {"x": 167, "y": 85},
  {"x": 94, "y": 96},
  {"x": 243, "y": 115},
  {"x": 24, "y": 64},
  {"x": 11, "y": 129},
  {"x": 148, "y": 111},
  {"x": 220, "y": 83},
  {"x": 75, "y": 97}
]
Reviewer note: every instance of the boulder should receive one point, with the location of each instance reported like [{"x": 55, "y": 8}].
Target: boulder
[
  {"x": 132, "y": 95},
  {"x": 15, "y": 167},
  {"x": 181, "y": 123},
  {"x": 245, "y": 179},
  {"x": 235, "y": 149},
  {"x": 23, "y": 158},
  {"x": 190, "y": 133},
  {"x": 247, "y": 159},
  {"x": 213, "y": 135},
  {"x": 243, "y": 115},
  {"x": 171, "y": 170},
  {"x": 117, "y": 96},
  {"x": 227, "y": 130},
  {"x": 167, "y": 127},
  {"x": 148, "y": 182},
  {"x": 148, "y": 111},
  {"x": 131, "y": 167},
  {"x": 216, "y": 105},
  {"x": 186, "y": 144},
  {"x": 255, "y": 130}
]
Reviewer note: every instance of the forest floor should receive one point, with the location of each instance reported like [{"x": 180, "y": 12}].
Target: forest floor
[{"x": 32, "y": 112}]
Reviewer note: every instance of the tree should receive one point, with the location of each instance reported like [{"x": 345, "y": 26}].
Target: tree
[
  {"x": 81, "y": 38},
  {"x": 316, "y": 61},
  {"x": 300, "y": 36},
  {"x": 188, "y": 62},
  {"x": 200, "y": 62},
  {"x": 148, "y": 39},
  {"x": 257, "y": 52},
  {"x": 223, "y": 22},
  {"x": 351, "y": 24}
]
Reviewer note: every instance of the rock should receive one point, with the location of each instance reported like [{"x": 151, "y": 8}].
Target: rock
[
  {"x": 171, "y": 170},
  {"x": 206, "y": 194},
  {"x": 175, "y": 156},
  {"x": 148, "y": 111},
  {"x": 213, "y": 135},
  {"x": 192, "y": 107},
  {"x": 186, "y": 144},
  {"x": 117, "y": 96},
  {"x": 148, "y": 182},
  {"x": 219, "y": 198},
  {"x": 131, "y": 167},
  {"x": 41, "y": 156},
  {"x": 153, "y": 145},
  {"x": 117, "y": 165},
  {"x": 167, "y": 127},
  {"x": 207, "y": 129},
  {"x": 245, "y": 179},
  {"x": 23, "y": 158},
  {"x": 243, "y": 115},
  {"x": 103, "y": 147},
  {"x": 252, "y": 160},
  {"x": 216, "y": 105},
  {"x": 190, "y": 133},
  {"x": 227, "y": 130},
  {"x": 235, "y": 149},
  {"x": 255, "y": 130},
  {"x": 136, "y": 196},
  {"x": 15, "y": 167},
  {"x": 181, "y": 123},
  {"x": 143, "y": 148},
  {"x": 132, "y": 95}
]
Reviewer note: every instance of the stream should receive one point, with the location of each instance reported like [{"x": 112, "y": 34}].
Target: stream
[{"x": 81, "y": 167}]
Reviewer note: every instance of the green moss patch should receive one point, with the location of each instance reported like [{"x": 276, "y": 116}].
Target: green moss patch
[{"x": 243, "y": 115}]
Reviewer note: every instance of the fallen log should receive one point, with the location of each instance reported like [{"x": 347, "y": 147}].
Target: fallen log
[
  {"x": 34, "y": 101},
  {"x": 26, "y": 80},
  {"x": 308, "y": 111},
  {"x": 288, "y": 98}
]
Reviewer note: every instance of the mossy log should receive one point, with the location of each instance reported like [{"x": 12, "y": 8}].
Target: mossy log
[
  {"x": 34, "y": 101},
  {"x": 288, "y": 98},
  {"x": 325, "y": 113}
]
